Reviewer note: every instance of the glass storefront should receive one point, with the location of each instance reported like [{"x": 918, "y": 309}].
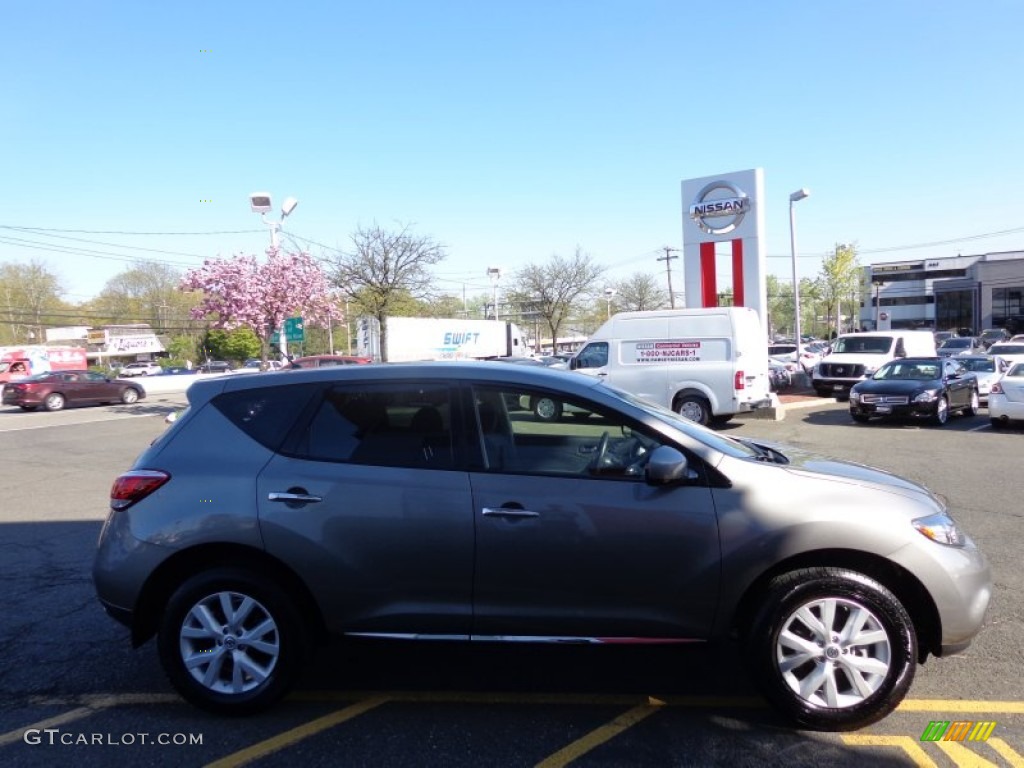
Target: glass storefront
[{"x": 954, "y": 310}]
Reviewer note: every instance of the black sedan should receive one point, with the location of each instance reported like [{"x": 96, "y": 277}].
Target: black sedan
[{"x": 922, "y": 387}]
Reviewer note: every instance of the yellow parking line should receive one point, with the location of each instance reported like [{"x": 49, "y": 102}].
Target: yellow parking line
[
  {"x": 286, "y": 739},
  {"x": 962, "y": 756},
  {"x": 1007, "y": 752},
  {"x": 68, "y": 717},
  {"x": 905, "y": 743},
  {"x": 599, "y": 736},
  {"x": 954, "y": 705}
]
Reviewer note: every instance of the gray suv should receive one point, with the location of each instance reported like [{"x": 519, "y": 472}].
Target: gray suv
[{"x": 427, "y": 501}]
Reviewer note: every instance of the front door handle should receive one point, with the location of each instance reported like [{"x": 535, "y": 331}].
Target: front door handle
[
  {"x": 508, "y": 512},
  {"x": 301, "y": 498}
]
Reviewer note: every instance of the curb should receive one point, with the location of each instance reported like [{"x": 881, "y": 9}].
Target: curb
[{"x": 778, "y": 412}]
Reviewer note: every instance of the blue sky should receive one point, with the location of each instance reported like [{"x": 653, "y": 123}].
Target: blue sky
[{"x": 507, "y": 131}]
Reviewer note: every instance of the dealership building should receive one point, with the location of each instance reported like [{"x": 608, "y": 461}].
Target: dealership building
[{"x": 960, "y": 292}]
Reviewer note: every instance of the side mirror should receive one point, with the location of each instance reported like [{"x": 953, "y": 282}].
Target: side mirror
[
  {"x": 667, "y": 465},
  {"x": 574, "y": 363}
]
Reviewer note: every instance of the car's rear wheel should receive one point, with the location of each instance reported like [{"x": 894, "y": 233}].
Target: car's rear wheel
[
  {"x": 129, "y": 395},
  {"x": 941, "y": 411},
  {"x": 696, "y": 409},
  {"x": 230, "y": 641},
  {"x": 975, "y": 405},
  {"x": 54, "y": 401},
  {"x": 832, "y": 648}
]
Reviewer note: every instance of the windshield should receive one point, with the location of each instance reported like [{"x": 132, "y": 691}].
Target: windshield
[
  {"x": 720, "y": 443},
  {"x": 1006, "y": 349},
  {"x": 979, "y": 365},
  {"x": 907, "y": 371},
  {"x": 872, "y": 345},
  {"x": 1017, "y": 370},
  {"x": 956, "y": 343}
]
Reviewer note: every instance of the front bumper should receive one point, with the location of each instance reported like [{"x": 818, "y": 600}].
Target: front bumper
[
  {"x": 909, "y": 411},
  {"x": 960, "y": 584}
]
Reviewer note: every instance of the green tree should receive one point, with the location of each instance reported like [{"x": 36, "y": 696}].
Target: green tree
[
  {"x": 837, "y": 284},
  {"x": 30, "y": 301},
  {"x": 238, "y": 345}
]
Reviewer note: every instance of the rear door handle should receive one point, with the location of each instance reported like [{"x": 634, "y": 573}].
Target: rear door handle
[{"x": 508, "y": 512}]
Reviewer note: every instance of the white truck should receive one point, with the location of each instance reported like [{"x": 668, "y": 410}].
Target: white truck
[
  {"x": 856, "y": 356},
  {"x": 706, "y": 364},
  {"x": 430, "y": 338}
]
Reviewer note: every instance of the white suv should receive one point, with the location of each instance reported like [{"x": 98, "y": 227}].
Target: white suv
[{"x": 140, "y": 369}]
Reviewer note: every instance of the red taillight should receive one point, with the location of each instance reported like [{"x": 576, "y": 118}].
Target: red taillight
[
  {"x": 134, "y": 486},
  {"x": 740, "y": 382},
  {"x": 997, "y": 389}
]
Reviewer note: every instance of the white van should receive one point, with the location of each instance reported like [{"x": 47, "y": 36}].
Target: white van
[
  {"x": 856, "y": 356},
  {"x": 706, "y": 364}
]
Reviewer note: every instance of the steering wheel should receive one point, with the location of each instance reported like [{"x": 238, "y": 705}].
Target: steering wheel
[{"x": 599, "y": 453}]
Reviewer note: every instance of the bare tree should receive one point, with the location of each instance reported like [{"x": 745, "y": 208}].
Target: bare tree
[
  {"x": 639, "y": 292},
  {"x": 558, "y": 287},
  {"x": 385, "y": 269}
]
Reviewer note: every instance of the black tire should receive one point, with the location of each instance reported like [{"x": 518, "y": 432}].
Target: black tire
[
  {"x": 884, "y": 667},
  {"x": 286, "y": 638},
  {"x": 695, "y": 408},
  {"x": 860, "y": 418},
  {"x": 941, "y": 415},
  {"x": 975, "y": 404},
  {"x": 129, "y": 395},
  {"x": 546, "y": 409},
  {"x": 822, "y": 392},
  {"x": 54, "y": 401}
]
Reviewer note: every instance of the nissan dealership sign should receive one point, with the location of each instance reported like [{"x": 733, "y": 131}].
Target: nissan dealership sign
[
  {"x": 719, "y": 208},
  {"x": 723, "y": 234}
]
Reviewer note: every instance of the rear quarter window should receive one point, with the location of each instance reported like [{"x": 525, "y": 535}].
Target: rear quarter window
[{"x": 266, "y": 414}]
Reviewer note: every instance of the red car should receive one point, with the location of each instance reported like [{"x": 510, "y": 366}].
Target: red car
[
  {"x": 324, "y": 361},
  {"x": 55, "y": 389}
]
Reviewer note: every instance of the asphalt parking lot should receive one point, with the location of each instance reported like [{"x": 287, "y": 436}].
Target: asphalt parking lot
[{"x": 74, "y": 692}]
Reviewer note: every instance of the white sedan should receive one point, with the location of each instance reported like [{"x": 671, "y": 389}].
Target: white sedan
[
  {"x": 1006, "y": 400},
  {"x": 139, "y": 369}
]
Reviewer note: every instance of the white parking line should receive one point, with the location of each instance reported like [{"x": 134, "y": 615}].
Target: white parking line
[{"x": 110, "y": 417}]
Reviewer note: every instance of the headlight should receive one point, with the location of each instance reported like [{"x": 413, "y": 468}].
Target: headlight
[
  {"x": 940, "y": 528},
  {"x": 928, "y": 396},
  {"x": 854, "y": 396}
]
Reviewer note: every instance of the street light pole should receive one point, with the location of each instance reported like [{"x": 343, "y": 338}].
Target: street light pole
[
  {"x": 495, "y": 274},
  {"x": 260, "y": 203},
  {"x": 608, "y": 293},
  {"x": 797, "y": 196}
]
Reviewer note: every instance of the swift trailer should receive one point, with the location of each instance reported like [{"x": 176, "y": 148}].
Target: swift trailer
[
  {"x": 409, "y": 339},
  {"x": 705, "y": 364}
]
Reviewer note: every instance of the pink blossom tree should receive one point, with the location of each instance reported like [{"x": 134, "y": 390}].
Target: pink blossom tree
[{"x": 241, "y": 291}]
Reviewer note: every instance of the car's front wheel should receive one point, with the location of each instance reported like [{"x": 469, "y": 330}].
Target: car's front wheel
[
  {"x": 129, "y": 395},
  {"x": 546, "y": 409},
  {"x": 231, "y": 641},
  {"x": 941, "y": 415},
  {"x": 832, "y": 648},
  {"x": 860, "y": 418}
]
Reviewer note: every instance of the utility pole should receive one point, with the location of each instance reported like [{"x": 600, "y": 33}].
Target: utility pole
[{"x": 667, "y": 258}]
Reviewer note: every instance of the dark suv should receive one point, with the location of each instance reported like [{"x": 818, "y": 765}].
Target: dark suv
[{"x": 409, "y": 501}]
